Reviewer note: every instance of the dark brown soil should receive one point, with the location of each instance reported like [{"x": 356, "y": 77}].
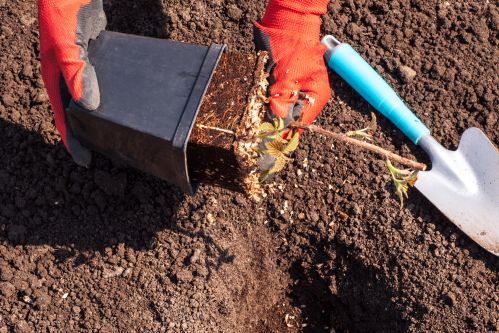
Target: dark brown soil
[
  {"x": 109, "y": 249},
  {"x": 211, "y": 152}
]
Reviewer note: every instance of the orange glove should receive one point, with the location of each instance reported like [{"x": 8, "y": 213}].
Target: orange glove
[
  {"x": 290, "y": 32},
  {"x": 66, "y": 26}
]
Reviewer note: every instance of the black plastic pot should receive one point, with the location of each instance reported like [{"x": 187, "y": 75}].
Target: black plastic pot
[{"x": 151, "y": 91}]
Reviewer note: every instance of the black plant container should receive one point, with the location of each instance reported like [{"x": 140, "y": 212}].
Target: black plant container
[{"x": 151, "y": 91}]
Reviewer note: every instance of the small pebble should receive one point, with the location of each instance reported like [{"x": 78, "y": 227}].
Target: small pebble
[
  {"x": 406, "y": 73},
  {"x": 112, "y": 273},
  {"x": 235, "y": 12},
  {"x": 210, "y": 218},
  {"x": 195, "y": 256},
  {"x": 127, "y": 272}
]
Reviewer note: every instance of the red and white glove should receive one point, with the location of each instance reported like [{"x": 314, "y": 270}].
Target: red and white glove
[
  {"x": 66, "y": 26},
  {"x": 290, "y": 32}
]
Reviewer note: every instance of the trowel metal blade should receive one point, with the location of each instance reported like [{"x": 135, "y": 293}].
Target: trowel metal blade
[{"x": 464, "y": 186}]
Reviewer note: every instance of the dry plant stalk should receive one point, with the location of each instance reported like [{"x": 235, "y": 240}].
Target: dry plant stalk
[{"x": 362, "y": 144}]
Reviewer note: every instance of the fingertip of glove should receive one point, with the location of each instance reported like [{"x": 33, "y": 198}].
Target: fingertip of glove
[
  {"x": 90, "y": 98},
  {"x": 81, "y": 155}
]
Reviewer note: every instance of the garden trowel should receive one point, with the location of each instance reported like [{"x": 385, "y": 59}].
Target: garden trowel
[{"x": 462, "y": 184}]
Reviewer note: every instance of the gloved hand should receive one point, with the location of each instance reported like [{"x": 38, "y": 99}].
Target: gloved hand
[
  {"x": 66, "y": 26},
  {"x": 290, "y": 32}
]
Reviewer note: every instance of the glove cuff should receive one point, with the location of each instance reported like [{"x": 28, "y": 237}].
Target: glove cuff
[{"x": 302, "y": 17}]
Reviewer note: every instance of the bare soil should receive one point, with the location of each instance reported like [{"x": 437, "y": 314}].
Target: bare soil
[{"x": 109, "y": 249}]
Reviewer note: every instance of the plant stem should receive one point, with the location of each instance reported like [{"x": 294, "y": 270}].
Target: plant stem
[
  {"x": 365, "y": 145},
  {"x": 216, "y": 129}
]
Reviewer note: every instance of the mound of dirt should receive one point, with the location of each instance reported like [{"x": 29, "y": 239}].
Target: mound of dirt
[{"x": 109, "y": 249}]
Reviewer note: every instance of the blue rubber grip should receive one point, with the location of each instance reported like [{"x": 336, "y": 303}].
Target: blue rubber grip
[{"x": 349, "y": 64}]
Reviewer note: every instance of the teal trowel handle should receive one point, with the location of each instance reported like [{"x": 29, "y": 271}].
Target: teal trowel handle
[{"x": 345, "y": 61}]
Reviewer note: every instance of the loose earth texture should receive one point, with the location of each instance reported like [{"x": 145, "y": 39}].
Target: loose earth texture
[
  {"x": 221, "y": 149},
  {"x": 210, "y": 151},
  {"x": 109, "y": 249}
]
